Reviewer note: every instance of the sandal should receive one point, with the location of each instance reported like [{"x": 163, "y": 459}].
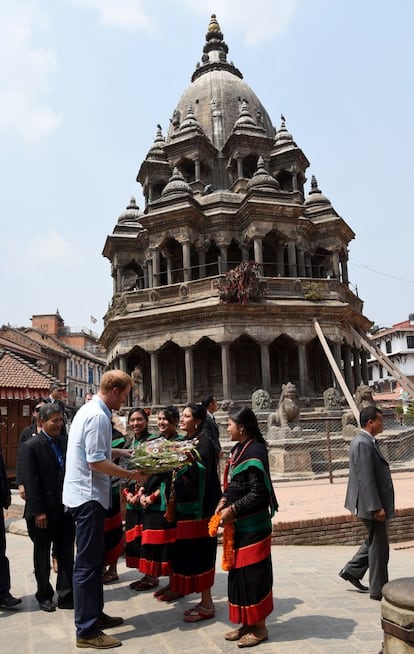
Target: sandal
[
  {"x": 168, "y": 596},
  {"x": 161, "y": 591},
  {"x": 198, "y": 613},
  {"x": 144, "y": 584},
  {"x": 109, "y": 576},
  {"x": 251, "y": 639},
  {"x": 236, "y": 634}
]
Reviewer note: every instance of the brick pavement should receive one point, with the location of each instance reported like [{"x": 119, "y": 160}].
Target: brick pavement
[{"x": 315, "y": 610}]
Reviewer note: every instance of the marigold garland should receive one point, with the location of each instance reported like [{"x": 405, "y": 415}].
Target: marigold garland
[
  {"x": 228, "y": 547},
  {"x": 213, "y": 525}
]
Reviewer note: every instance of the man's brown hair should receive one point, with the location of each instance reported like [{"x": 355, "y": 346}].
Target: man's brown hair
[{"x": 114, "y": 379}]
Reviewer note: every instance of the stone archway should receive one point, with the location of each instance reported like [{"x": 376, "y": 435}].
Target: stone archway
[
  {"x": 245, "y": 362},
  {"x": 207, "y": 369},
  {"x": 171, "y": 367},
  {"x": 284, "y": 363},
  {"x": 320, "y": 373},
  {"x": 138, "y": 358}
]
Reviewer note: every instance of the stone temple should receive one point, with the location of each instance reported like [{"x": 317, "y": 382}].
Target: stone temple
[{"x": 224, "y": 188}]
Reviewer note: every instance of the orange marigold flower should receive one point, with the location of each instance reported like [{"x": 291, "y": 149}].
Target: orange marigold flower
[{"x": 214, "y": 524}]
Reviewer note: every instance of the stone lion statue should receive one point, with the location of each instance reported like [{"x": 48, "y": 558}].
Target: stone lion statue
[
  {"x": 363, "y": 398},
  {"x": 288, "y": 408}
]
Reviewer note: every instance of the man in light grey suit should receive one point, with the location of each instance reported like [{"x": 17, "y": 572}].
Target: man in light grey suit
[{"x": 370, "y": 495}]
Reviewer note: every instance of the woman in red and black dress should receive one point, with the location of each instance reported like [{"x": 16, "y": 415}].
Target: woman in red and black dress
[
  {"x": 248, "y": 503},
  {"x": 158, "y": 533},
  {"x": 197, "y": 491},
  {"x": 138, "y": 423}
]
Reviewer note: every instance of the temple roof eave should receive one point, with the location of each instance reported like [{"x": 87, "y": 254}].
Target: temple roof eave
[{"x": 230, "y": 325}]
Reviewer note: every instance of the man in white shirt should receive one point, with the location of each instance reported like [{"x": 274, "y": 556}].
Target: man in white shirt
[{"x": 87, "y": 492}]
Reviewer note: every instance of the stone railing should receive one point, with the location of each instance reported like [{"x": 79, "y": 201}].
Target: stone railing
[{"x": 202, "y": 289}]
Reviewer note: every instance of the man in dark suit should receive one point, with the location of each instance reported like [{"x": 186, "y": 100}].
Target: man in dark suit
[
  {"x": 210, "y": 427},
  {"x": 43, "y": 470},
  {"x": 56, "y": 392},
  {"x": 370, "y": 495},
  {"x": 7, "y": 601}
]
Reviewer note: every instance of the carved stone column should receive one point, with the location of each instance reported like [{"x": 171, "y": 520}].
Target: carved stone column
[
  {"x": 155, "y": 379},
  {"x": 364, "y": 367},
  {"x": 156, "y": 267},
  {"x": 335, "y": 264},
  {"x": 186, "y": 260},
  {"x": 258, "y": 252},
  {"x": 349, "y": 378},
  {"x": 225, "y": 370},
  {"x": 303, "y": 369},
  {"x": 189, "y": 373},
  {"x": 239, "y": 167},
  {"x": 118, "y": 280},
  {"x": 223, "y": 258},
  {"x": 145, "y": 271},
  {"x": 265, "y": 361},
  {"x": 150, "y": 274},
  {"x": 301, "y": 262},
  {"x": 293, "y": 268},
  {"x": 168, "y": 259},
  {"x": 336, "y": 350},
  {"x": 197, "y": 169},
  {"x": 122, "y": 363}
]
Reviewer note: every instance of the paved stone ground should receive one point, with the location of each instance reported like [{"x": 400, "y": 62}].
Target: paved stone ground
[{"x": 315, "y": 610}]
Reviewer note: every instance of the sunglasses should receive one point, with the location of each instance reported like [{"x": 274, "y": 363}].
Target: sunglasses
[{"x": 37, "y": 409}]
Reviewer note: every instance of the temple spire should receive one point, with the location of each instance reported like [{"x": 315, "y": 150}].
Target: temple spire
[{"x": 214, "y": 52}]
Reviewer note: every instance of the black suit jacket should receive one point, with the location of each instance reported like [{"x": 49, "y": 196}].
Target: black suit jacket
[
  {"x": 27, "y": 433},
  {"x": 5, "y": 495},
  {"x": 211, "y": 430},
  {"x": 42, "y": 477},
  {"x": 370, "y": 485}
]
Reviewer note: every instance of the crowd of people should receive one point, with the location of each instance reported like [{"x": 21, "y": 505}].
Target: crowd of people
[{"x": 74, "y": 488}]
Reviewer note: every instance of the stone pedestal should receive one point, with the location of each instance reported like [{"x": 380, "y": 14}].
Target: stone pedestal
[
  {"x": 289, "y": 459},
  {"x": 397, "y": 611}
]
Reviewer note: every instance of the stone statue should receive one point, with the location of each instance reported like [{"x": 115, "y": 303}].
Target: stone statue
[
  {"x": 260, "y": 400},
  {"x": 137, "y": 385},
  {"x": 363, "y": 398},
  {"x": 279, "y": 423},
  {"x": 332, "y": 400}
]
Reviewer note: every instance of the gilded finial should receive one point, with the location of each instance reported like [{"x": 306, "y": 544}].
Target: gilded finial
[{"x": 213, "y": 24}]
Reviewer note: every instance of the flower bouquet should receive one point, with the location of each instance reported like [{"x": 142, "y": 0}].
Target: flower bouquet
[{"x": 161, "y": 455}]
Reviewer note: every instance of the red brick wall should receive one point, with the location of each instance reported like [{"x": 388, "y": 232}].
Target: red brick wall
[{"x": 339, "y": 530}]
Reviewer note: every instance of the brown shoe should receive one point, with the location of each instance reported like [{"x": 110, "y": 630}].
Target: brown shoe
[{"x": 100, "y": 641}]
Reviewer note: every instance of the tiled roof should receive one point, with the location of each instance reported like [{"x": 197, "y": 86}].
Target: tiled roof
[{"x": 20, "y": 379}]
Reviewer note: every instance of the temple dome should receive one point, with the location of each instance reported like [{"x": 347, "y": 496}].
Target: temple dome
[
  {"x": 132, "y": 214},
  {"x": 316, "y": 197},
  {"x": 216, "y": 94}
]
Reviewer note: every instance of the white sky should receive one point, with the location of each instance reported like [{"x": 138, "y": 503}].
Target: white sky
[{"x": 83, "y": 84}]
